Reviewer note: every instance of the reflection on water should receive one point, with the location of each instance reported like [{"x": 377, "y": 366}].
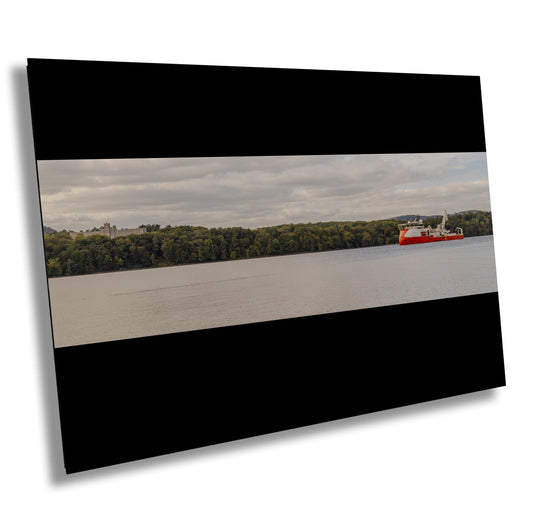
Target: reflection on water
[{"x": 119, "y": 305}]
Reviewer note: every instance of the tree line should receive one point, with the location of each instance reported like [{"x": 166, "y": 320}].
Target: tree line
[{"x": 176, "y": 245}]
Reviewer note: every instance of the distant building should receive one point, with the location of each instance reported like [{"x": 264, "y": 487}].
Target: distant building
[{"x": 109, "y": 231}]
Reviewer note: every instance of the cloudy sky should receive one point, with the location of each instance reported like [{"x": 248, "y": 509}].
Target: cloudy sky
[{"x": 258, "y": 191}]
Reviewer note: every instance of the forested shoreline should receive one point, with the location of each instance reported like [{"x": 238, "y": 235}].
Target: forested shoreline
[{"x": 177, "y": 245}]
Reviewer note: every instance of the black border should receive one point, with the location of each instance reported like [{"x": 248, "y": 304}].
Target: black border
[
  {"x": 138, "y": 398},
  {"x": 88, "y": 109}
]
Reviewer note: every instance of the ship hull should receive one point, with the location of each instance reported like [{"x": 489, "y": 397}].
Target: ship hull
[{"x": 405, "y": 240}]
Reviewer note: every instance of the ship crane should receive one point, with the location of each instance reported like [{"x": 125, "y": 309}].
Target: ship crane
[{"x": 442, "y": 226}]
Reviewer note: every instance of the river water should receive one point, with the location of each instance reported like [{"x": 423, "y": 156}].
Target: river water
[{"x": 120, "y": 305}]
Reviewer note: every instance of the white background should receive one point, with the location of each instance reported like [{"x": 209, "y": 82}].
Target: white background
[{"x": 470, "y": 455}]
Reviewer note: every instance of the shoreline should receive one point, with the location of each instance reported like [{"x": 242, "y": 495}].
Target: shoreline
[{"x": 235, "y": 260}]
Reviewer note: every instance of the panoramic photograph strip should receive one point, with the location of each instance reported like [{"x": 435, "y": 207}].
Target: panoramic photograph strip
[{"x": 139, "y": 247}]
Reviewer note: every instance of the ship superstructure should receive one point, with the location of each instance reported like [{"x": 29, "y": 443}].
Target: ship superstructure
[{"x": 415, "y": 232}]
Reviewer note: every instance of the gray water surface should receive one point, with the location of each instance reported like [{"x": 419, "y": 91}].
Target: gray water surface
[{"x": 120, "y": 305}]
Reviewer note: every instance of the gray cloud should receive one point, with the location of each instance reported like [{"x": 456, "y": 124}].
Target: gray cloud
[{"x": 258, "y": 191}]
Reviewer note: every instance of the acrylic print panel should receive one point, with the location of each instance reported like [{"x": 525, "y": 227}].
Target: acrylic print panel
[
  {"x": 253, "y": 168},
  {"x": 209, "y": 242}
]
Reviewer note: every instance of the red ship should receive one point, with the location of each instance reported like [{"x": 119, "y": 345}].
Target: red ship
[{"x": 414, "y": 232}]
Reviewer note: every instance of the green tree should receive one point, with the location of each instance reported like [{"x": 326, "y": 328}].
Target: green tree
[{"x": 53, "y": 268}]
